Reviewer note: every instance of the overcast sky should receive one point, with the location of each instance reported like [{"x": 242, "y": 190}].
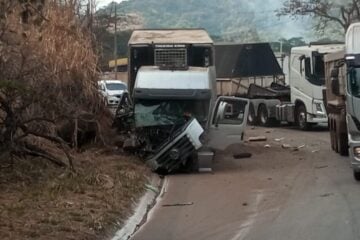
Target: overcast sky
[{"x": 102, "y": 3}]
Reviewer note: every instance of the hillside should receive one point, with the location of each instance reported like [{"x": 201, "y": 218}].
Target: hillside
[{"x": 237, "y": 20}]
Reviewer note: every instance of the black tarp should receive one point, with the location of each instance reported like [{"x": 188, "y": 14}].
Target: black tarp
[{"x": 246, "y": 60}]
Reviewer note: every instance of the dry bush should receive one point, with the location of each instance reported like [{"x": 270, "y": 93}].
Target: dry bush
[{"x": 48, "y": 73}]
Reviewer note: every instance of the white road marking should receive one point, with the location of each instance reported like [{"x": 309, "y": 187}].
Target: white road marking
[{"x": 247, "y": 225}]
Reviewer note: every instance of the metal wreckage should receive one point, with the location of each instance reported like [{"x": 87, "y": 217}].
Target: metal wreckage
[{"x": 171, "y": 111}]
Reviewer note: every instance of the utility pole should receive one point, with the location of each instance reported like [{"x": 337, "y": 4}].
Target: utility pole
[{"x": 115, "y": 42}]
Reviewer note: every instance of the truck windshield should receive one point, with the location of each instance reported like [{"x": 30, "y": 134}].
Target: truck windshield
[
  {"x": 318, "y": 77},
  {"x": 169, "y": 112},
  {"x": 354, "y": 81}
]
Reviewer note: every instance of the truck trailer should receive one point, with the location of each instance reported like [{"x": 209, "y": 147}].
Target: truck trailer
[{"x": 178, "y": 119}]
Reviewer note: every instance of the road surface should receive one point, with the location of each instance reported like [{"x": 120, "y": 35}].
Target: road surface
[{"x": 276, "y": 194}]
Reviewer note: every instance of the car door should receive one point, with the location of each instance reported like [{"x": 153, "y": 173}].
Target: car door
[{"x": 228, "y": 122}]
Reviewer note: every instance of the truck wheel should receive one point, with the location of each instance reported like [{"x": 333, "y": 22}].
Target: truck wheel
[
  {"x": 263, "y": 115},
  {"x": 357, "y": 175},
  {"x": 252, "y": 118},
  {"x": 342, "y": 144},
  {"x": 301, "y": 118}
]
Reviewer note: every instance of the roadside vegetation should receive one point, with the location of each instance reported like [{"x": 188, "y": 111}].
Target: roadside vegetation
[{"x": 61, "y": 176}]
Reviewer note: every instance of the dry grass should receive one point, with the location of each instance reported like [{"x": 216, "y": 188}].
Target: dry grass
[{"x": 38, "y": 201}]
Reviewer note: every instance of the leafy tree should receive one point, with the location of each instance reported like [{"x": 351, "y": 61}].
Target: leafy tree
[{"x": 325, "y": 12}]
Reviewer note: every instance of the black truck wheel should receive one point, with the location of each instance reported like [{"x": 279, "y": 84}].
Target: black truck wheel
[
  {"x": 301, "y": 118},
  {"x": 357, "y": 175},
  {"x": 252, "y": 118},
  {"x": 342, "y": 144},
  {"x": 263, "y": 115}
]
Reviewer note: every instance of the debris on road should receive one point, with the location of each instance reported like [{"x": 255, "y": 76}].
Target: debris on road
[
  {"x": 320, "y": 167},
  {"x": 279, "y": 139},
  {"x": 326, "y": 194},
  {"x": 258, "y": 139},
  {"x": 242, "y": 155},
  {"x": 151, "y": 188},
  {"x": 178, "y": 204},
  {"x": 267, "y": 146},
  {"x": 315, "y": 151},
  {"x": 286, "y": 146}
]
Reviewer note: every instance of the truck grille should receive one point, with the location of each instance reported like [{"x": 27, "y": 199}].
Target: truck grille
[
  {"x": 170, "y": 58},
  {"x": 185, "y": 148}
]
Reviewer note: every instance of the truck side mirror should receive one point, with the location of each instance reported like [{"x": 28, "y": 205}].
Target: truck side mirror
[{"x": 335, "y": 85}]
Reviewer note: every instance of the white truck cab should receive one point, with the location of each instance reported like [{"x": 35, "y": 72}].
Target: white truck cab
[{"x": 307, "y": 81}]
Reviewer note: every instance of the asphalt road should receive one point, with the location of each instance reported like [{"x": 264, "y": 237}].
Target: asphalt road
[{"x": 276, "y": 194}]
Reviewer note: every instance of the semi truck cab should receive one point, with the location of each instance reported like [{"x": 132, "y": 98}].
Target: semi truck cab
[
  {"x": 307, "y": 81},
  {"x": 352, "y": 59}
]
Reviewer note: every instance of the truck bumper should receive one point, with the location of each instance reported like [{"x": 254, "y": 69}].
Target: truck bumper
[
  {"x": 317, "y": 118},
  {"x": 355, "y": 160}
]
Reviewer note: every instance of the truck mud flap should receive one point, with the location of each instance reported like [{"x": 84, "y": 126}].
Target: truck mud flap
[{"x": 176, "y": 150}]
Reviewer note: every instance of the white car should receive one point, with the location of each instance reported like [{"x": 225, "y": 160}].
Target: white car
[{"x": 112, "y": 91}]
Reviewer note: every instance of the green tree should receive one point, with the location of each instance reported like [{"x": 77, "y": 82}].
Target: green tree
[{"x": 342, "y": 12}]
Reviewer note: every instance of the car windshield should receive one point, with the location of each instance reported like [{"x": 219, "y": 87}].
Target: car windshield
[
  {"x": 354, "y": 81},
  {"x": 169, "y": 112},
  {"x": 115, "y": 86}
]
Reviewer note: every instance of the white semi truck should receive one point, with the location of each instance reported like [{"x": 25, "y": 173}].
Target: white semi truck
[
  {"x": 172, "y": 85},
  {"x": 343, "y": 98},
  {"x": 302, "y": 101}
]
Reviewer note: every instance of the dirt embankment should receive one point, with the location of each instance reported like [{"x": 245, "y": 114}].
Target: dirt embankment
[{"x": 40, "y": 201}]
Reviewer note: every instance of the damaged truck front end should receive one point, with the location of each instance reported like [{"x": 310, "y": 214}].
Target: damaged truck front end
[{"x": 171, "y": 112}]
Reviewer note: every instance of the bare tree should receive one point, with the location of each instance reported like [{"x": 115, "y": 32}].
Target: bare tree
[
  {"x": 48, "y": 73},
  {"x": 342, "y": 13}
]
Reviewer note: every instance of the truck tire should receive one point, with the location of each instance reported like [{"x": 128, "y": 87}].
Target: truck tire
[
  {"x": 342, "y": 144},
  {"x": 301, "y": 118},
  {"x": 263, "y": 116},
  {"x": 356, "y": 175},
  {"x": 252, "y": 118},
  {"x": 332, "y": 131}
]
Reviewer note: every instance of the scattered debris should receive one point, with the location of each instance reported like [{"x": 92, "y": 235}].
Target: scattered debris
[
  {"x": 326, "y": 194},
  {"x": 268, "y": 131},
  {"x": 252, "y": 128},
  {"x": 267, "y": 146},
  {"x": 298, "y": 148},
  {"x": 258, "y": 139},
  {"x": 279, "y": 139},
  {"x": 245, "y": 204},
  {"x": 320, "y": 167},
  {"x": 269, "y": 178},
  {"x": 315, "y": 151},
  {"x": 178, "y": 204},
  {"x": 286, "y": 146},
  {"x": 242, "y": 155},
  {"x": 151, "y": 188}
]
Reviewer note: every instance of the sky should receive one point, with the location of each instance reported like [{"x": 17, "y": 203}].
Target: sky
[{"x": 102, "y": 3}]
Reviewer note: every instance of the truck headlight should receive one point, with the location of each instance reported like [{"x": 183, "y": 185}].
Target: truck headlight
[
  {"x": 318, "y": 107},
  {"x": 357, "y": 152}
]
